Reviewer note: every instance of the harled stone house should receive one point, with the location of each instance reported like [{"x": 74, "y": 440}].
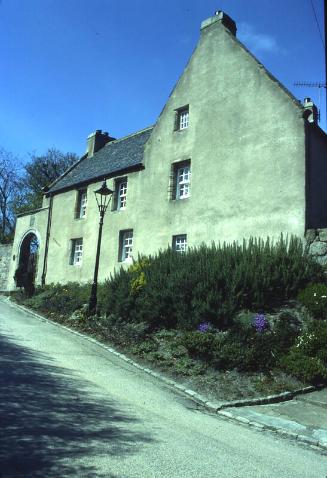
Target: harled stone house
[{"x": 232, "y": 155}]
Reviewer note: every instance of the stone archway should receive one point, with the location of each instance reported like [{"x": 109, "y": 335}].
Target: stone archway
[{"x": 28, "y": 261}]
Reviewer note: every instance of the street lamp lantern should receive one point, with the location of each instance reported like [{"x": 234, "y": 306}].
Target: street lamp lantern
[{"x": 103, "y": 196}]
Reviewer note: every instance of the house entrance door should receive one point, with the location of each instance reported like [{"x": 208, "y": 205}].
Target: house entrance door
[{"x": 27, "y": 267}]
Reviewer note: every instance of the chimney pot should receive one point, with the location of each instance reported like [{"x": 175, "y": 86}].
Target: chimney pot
[
  {"x": 220, "y": 17},
  {"x": 96, "y": 141},
  {"x": 310, "y": 111}
]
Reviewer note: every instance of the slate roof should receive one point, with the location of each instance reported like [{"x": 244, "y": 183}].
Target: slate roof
[{"x": 118, "y": 155}]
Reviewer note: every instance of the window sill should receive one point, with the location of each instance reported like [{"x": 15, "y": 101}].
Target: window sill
[
  {"x": 180, "y": 199},
  {"x": 180, "y": 130},
  {"x": 126, "y": 261},
  {"x": 118, "y": 210}
]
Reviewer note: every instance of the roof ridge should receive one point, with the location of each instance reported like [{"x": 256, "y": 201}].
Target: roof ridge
[
  {"x": 55, "y": 181},
  {"x": 270, "y": 75},
  {"x": 128, "y": 136}
]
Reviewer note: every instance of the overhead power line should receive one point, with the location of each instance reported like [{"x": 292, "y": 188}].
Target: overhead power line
[{"x": 317, "y": 22}]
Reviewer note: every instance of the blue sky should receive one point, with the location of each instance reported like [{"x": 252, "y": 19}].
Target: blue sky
[{"x": 69, "y": 67}]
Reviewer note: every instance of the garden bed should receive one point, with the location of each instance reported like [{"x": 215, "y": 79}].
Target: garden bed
[
  {"x": 232, "y": 321},
  {"x": 160, "y": 353}
]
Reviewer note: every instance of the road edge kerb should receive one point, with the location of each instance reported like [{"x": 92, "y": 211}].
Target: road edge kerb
[{"x": 211, "y": 406}]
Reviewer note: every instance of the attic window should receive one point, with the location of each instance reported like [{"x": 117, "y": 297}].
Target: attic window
[{"x": 182, "y": 118}]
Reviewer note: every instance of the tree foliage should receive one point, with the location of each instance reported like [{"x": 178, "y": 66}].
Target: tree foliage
[
  {"x": 40, "y": 172},
  {"x": 21, "y": 185},
  {"x": 9, "y": 191}
]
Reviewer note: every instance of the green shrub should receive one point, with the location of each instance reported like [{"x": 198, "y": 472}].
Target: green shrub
[
  {"x": 119, "y": 331},
  {"x": 243, "y": 349},
  {"x": 144, "y": 348},
  {"x": 68, "y": 298},
  {"x": 232, "y": 355},
  {"x": 313, "y": 342},
  {"x": 314, "y": 298},
  {"x": 308, "y": 369},
  {"x": 244, "y": 319},
  {"x": 173, "y": 290},
  {"x": 60, "y": 299},
  {"x": 249, "y": 350},
  {"x": 286, "y": 330},
  {"x": 307, "y": 358},
  {"x": 40, "y": 299},
  {"x": 188, "y": 367},
  {"x": 201, "y": 345}
]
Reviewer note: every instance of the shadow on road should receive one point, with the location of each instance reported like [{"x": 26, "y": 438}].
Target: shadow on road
[{"x": 50, "y": 426}]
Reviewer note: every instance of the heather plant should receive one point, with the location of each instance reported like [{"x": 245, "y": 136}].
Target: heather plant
[
  {"x": 204, "y": 327},
  {"x": 307, "y": 358},
  {"x": 260, "y": 323},
  {"x": 314, "y": 298},
  {"x": 313, "y": 342}
]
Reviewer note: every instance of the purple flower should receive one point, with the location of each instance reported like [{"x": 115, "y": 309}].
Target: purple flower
[
  {"x": 204, "y": 327},
  {"x": 260, "y": 323}
]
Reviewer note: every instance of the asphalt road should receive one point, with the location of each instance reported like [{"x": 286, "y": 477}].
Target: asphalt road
[{"x": 69, "y": 408}]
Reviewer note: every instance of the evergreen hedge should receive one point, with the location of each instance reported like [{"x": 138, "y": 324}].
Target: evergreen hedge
[{"x": 210, "y": 283}]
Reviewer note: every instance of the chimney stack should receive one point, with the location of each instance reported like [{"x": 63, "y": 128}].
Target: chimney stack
[
  {"x": 311, "y": 111},
  {"x": 220, "y": 17},
  {"x": 96, "y": 141}
]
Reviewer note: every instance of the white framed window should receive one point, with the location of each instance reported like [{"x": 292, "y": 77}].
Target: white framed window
[
  {"x": 81, "y": 204},
  {"x": 120, "y": 198},
  {"x": 122, "y": 194},
  {"x": 181, "y": 180},
  {"x": 180, "y": 243},
  {"x": 182, "y": 118},
  {"x": 76, "y": 252},
  {"x": 125, "y": 245}
]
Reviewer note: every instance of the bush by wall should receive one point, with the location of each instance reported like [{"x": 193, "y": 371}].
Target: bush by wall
[
  {"x": 174, "y": 290},
  {"x": 307, "y": 358},
  {"x": 308, "y": 369},
  {"x": 314, "y": 298},
  {"x": 60, "y": 299}
]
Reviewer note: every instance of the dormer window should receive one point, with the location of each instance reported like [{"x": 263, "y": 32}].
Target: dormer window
[{"x": 182, "y": 118}]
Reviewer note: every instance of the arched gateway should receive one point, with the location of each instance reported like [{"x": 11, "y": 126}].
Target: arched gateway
[{"x": 28, "y": 260}]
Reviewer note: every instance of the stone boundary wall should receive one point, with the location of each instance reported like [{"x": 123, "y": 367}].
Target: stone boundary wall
[
  {"x": 316, "y": 239},
  {"x": 5, "y": 258}
]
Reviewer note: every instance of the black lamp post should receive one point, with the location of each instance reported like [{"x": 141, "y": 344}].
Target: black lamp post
[{"x": 102, "y": 196}]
